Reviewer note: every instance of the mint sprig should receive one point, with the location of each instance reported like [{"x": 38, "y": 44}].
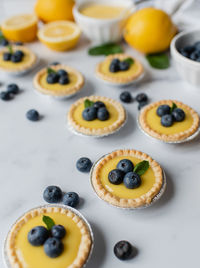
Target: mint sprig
[
  {"x": 158, "y": 61},
  {"x": 48, "y": 221},
  {"x": 174, "y": 106},
  {"x": 10, "y": 49},
  {"x": 50, "y": 70},
  {"x": 130, "y": 61},
  {"x": 88, "y": 103},
  {"x": 105, "y": 49},
  {"x": 141, "y": 167}
]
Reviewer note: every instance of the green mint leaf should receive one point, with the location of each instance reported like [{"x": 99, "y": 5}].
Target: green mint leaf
[
  {"x": 88, "y": 103},
  {"x": 174, "y": 106},
  {"x": 141, "y": 167},
  {"x": 158, "y": 61},
  {"x": 10, "y": 49},
  {"x": 105, "y": 49},
  {"x": 50, "y": 70},
  {"x": 130, "y": 61},
  {"x": 48, "y": 221}
]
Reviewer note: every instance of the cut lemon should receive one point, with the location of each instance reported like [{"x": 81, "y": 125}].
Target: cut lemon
[
  {"x": 21, "y": 28},
  {"x": 59, "y": 35}
]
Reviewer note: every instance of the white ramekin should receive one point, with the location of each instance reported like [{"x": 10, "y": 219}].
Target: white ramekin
[
  {"x": 188, "y": 69},
  {"x": 101, "y": 31}
]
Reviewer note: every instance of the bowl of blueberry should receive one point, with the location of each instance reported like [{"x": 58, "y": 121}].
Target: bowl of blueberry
[{"x": 185, "y": 50}]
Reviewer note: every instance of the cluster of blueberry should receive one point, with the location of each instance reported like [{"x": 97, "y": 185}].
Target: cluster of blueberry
[
  {"x": 169, "y": 115},
  {"x": 124, "y": 173},
  {"x": 53, "y": 194},
  {"x": 51, "y": 239},
  {"x": 116, "y": 65},
  {"x": 12, "y": 89},
  {"x": 192, "y": 52},
  {"x": 61, "y": 77},
  {"x": 97, "y": 110},
  {"x": 15, "y": 57},
  {"x": 141, "y": 98}
]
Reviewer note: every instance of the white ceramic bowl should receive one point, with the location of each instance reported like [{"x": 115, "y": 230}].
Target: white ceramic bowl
[
  {"x": 188, "y": 69},
  {"x": 101, "y": 31}
]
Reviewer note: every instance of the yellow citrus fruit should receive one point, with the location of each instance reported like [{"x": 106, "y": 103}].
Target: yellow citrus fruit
[
  {"x": 149, "y": 30},
  {"x": 53, "y": 10},
  {"x": 59, "y": 35},
  {"x": 21, "y": 28}
]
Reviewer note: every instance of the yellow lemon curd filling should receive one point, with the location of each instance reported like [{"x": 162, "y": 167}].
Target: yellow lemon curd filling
[
  {"x": 77, "y": 115},
  {"x": 12, "y": 65},
  {"x": 101, "y": 11},
  {"x": 104, "y": 68},
  {"x": 153, "y": 120},
  {"x": 35, "y": 257},
  {"x": 148, "y": 179},
  {"x": 56, "y": 87}
]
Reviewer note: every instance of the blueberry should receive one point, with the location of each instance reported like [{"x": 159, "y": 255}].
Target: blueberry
[
  {"x": 84, "y": 164},
  {"x": 18, "y": 43},
  {"x": 62, "y": 72},
  {"x": 20, "y": 53},
  {"x": 89, "y": 114},
  {"x": 103, "y": 114},
  {"x": 189, "y": 49},
  {"x": 178, "y": 114},
  {"x": 124, "y": 66},
  {"x": 115, "y": 61},
  {"x": 32, "y": 115},
  {"x": 132, "y": 180},
  {"x": 184, "y": 53},
  {"x": 114, "y": 66},
  {"x": 53, "y": 247},
  {"x": 63, "y": 80},
  {"x": 58, "y": 231},
  {"x": 52, "y": 78},
  {"x": 197, "y": 45},
  {"x": 54, "y": 63},
  {"x": 7, "y": 56},
  {"x": 125, "y": 97},
  {"x": 123, "y": 250},
  {"x": 5, "y": 96},
  {"x": 38, "y": 235},
  {"x": 195, "y": 55},
  {"x": 13, "y": 88},
  {"x": 116, "y": 176},
  {"x": 167, "y": 120},
  {"x": 141, "y": 97},
  {"x": 98, "y": 104},
  {"x": 52, "y": 194},
  {"x": 4, "y": 42},
  {"x": 71, "y": 199},
  {"x": 163, "y": 109},
  {"x": 125, "y": 165},
  {"x": 16, "y": 58},
  {"x": 142, "y": 104}
]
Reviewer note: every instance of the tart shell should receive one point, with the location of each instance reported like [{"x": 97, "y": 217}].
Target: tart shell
[
  {"x": 142, "y": 201},
  {"x": 181, "y": 136}
]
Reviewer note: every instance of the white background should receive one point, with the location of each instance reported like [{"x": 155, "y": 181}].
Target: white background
[{"x": 35, "y": 155}]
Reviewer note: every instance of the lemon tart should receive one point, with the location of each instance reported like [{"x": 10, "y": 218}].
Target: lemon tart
[
  {"x": 77, "y": 243},
  {"x": 74, "y": 84},
  {"x": 126, "y": 74},
  {"x": 151, "y": 122},
  {"x": 26, "y": 62},
  {"x": 96, "y": 127},
  {"x": 121, "y": 194}
]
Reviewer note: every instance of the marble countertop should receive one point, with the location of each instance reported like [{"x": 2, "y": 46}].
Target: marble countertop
[{"x": 35, "y": 155}]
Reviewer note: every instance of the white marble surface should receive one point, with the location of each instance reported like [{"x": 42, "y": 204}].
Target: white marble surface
[{"x": 35, "y": 155}]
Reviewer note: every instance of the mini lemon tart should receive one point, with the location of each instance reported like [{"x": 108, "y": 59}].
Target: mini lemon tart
[
  {"x": 27, "y": 62},
  {"x": 74, "y": 85},
  {"x": 150, "y": 122},
  {"x": 118, "y": 194},
  {"x": 77, "y": 241},
  {"x": 119, "y": 72},
  {"x": 116, "y": 117}
]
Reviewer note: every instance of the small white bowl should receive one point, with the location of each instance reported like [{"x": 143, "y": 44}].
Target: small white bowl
[
  {"x": 101, "y": 31},
  {"x": 188, "y": 69}
]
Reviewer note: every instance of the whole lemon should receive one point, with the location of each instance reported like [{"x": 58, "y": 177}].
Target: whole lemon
[
  {"x": 149, "y": 30},
  {"x": 52, "y": 10}
]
